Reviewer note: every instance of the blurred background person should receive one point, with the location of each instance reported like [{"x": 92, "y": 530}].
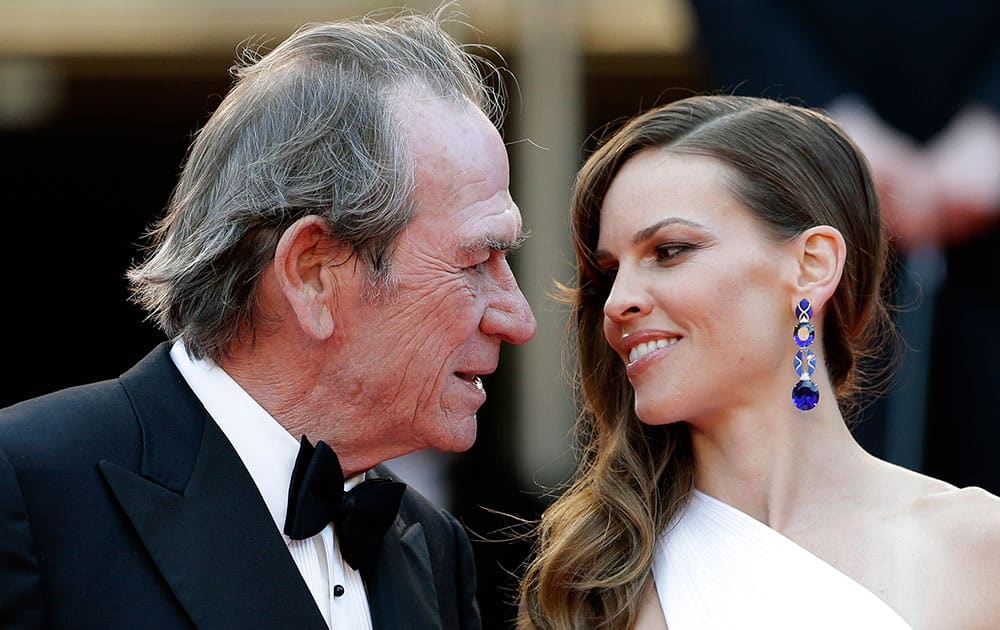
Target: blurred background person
[{"x": 917, "y": 86}]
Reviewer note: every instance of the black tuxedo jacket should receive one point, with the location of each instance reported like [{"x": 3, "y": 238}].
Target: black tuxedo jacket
[{"x": 123, "y": 505}]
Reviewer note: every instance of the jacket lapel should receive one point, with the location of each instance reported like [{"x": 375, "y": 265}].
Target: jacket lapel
[
  {"x": 401, "y": 591},
  {"x": 199, "y": 514}
]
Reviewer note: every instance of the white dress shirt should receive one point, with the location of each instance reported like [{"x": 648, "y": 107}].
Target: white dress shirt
[{"x": 268, "y": 451}]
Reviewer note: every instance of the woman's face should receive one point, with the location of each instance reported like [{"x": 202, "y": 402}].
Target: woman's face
[{"x": 700, "y": 310}]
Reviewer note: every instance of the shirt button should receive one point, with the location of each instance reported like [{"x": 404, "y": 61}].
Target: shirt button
[{"x": 338, "y": 590}]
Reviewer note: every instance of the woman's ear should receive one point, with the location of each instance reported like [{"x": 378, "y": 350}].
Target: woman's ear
[
  {"x": 302, "y": 264},
  {"x": 821, "y": 252}
]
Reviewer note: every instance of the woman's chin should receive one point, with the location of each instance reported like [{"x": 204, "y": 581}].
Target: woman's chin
[{"x": 654, "y": 416}]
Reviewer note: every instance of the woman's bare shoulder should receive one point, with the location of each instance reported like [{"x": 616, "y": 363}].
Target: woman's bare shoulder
[
  {"x": 946, "y": 544},
  {"x": 961, "y": 530},
  {"x": 964, "y": 519},
  {"x": 932, "y": 502},
  {"x": 961, "y": 514},
  {"x": 959, "y": 525}
]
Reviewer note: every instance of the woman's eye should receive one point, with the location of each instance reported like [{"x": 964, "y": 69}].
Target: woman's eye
[{"x": 669, "y": 251}]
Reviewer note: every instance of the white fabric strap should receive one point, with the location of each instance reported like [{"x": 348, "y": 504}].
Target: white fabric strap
[{"x": 718, "y": 568}]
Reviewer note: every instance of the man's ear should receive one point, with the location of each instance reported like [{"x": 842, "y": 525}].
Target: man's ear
[
  {"x": 302, "y": 263},
  {"x": 821, "y": 252}
]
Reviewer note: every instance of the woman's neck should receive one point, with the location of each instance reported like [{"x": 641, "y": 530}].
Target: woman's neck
[{"x": 779, "y": 466}]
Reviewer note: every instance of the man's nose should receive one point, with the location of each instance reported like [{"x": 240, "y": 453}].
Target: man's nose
[{"x": 509, "y": 315}]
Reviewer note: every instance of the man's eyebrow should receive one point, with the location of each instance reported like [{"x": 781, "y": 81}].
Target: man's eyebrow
[{"x": 496, "y": 243}]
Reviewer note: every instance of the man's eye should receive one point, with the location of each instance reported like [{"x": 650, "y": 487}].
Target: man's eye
[
  {"x": 479, "y": 267},
  {"x": 494, "y": 255}
]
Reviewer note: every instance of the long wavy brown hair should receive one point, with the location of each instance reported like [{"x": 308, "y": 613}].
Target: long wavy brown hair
[{"x": 797, "y": 169}]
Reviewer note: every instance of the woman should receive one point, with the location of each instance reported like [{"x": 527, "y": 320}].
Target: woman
[{"x": 730, "y": 267}]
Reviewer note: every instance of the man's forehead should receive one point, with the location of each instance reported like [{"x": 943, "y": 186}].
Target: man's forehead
[
  {"x": 453, "y": 141},
  {"x": 461, "y": 179}
]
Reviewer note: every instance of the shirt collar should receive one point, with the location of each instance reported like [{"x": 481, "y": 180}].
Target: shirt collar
[{"x": 268, "y": 451}]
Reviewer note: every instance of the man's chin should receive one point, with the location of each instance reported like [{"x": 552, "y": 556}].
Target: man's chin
[{"x": 462, "y": 436}]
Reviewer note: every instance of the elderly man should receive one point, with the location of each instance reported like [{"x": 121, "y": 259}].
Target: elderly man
[{"x": 331, "y": 269}]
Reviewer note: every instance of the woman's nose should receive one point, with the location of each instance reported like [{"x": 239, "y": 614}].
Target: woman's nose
[{"x": 627, "y": 299}]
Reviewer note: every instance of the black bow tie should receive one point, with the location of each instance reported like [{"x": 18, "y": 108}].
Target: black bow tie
[{"x": 361, "y": 516}]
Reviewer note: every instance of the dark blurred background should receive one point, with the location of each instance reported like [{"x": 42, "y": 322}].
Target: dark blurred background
[{"x": 99, "y": 103}]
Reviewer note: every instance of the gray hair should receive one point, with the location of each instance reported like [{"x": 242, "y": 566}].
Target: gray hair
[{"x": 307, "y": 129}]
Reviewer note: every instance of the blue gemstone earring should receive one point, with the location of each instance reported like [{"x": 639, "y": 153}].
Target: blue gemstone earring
[{"x": 805, "y": 394}]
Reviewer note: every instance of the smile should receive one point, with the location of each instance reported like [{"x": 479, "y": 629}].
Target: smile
[{"x": 646, "y": 347}]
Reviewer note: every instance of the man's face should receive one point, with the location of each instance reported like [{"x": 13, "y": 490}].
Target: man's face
[{"x": 416, "y": 356}]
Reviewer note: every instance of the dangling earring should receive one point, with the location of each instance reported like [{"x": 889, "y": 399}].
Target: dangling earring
[{"x": 805, "y": 394}]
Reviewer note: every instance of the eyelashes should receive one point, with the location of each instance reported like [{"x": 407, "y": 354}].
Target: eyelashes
[
  {"x": 670, "y": 251},
  {"x": 664, "y": 254},
  {"x": 494, "y": 256}
]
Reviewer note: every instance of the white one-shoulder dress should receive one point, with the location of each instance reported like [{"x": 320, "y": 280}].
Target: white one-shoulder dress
[{"x": 719, "y": 568}]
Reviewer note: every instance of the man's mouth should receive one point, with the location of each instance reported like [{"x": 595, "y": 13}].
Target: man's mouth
[{"x": 471, "y": 378}]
